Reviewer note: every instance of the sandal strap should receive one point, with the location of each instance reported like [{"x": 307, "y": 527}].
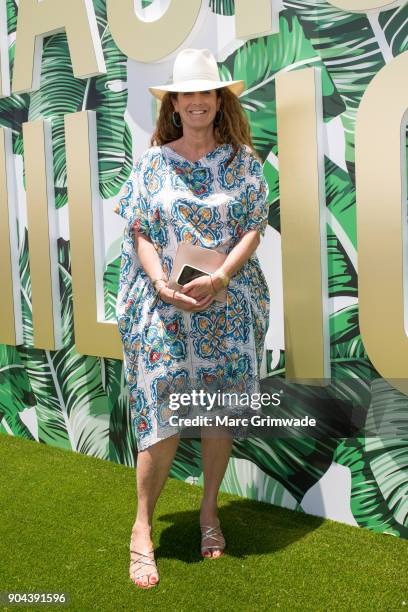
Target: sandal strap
[
  {"x": 142, "y": 554},
  {"x": 143, "y": 559},
  {"x": 212, "y": 533}
]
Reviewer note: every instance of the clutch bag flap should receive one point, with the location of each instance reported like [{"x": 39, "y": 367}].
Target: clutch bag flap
[{"x": 208, "y": 260}]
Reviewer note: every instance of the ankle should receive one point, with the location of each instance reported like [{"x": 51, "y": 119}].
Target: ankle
[
  {"x": 209, "y": 505},
  {"x": 208, "y": 513},
  {"x": 142, "y": 525}
]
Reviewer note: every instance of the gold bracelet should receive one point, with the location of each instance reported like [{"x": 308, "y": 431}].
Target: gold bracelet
[
  {"x": 225, "y": 279},
  {"x": 156, "y": 280},
  {"x": 212, "y": 285},
  {"x": 157, "y": 291}
]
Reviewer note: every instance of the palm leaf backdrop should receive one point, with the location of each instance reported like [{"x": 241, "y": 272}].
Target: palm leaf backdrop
[
  {"x": 14, "y": 109},
  {"x": 61, "y": 93},
  {"x": 81, "y": 402},
  {"x": 271, "y": 174},
  {"x": 258, "y": 61},
  {"x": 378, "y": 470},
  {"x": 353, "y": 47},
  {"x": 379, "y": 462},
  {"x": 223, "y": 7},
  {"x": 15, "y": 393},
  {"x": 246, "y": 479}
]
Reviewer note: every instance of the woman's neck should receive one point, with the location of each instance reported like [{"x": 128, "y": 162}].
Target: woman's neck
[{"x": 196, "y": 143}]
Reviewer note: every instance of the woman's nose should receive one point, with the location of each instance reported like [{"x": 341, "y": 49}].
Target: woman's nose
[{"x": 198, "y": 97}]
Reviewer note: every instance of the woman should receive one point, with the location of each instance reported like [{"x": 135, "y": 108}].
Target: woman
[{"x": 199, "y": 182}]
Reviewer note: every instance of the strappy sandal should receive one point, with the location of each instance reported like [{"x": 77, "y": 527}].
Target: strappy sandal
[
  {"x": 214, "y": 534},
  {"x": 144, "y": 559}
]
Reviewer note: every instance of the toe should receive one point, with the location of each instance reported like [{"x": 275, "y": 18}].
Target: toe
[{"x": 137, "y": 581}]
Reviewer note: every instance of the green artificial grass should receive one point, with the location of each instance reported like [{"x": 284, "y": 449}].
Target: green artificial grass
[{"x": 65, "y": 526}]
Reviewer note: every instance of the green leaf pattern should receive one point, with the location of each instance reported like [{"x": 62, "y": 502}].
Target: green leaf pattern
[{"x": 81, "y": 403}]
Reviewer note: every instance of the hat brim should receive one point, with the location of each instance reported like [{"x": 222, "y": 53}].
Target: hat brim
[{"x": 237, "y": 87}]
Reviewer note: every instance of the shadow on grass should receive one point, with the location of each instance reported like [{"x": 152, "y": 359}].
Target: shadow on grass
[{"x": 249, "y": 527}]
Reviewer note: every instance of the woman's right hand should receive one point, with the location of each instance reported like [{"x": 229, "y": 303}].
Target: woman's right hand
[{"x": 185, "y": 302}]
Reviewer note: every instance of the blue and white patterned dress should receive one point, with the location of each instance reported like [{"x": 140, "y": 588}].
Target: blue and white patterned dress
[{"x": 211, "y": 203}]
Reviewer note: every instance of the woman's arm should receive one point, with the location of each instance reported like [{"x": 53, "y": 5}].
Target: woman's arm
[
  {"x": 148, "y": 256},
  {"x": 241, "y": 252}
]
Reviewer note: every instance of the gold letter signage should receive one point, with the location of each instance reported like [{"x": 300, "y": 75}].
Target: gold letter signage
[{"x": 37, "y": 19}]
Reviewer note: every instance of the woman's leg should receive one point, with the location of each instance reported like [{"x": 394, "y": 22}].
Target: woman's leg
[
  {"x": 216, "y": 451},
  {"x": 153, "y": 465}
]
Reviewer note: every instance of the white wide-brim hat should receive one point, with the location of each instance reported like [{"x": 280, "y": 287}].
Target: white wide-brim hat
[{"x": 196, "y": 70}]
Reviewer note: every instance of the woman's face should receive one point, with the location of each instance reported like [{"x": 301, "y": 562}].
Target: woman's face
[{"x": 197, "y": 109}]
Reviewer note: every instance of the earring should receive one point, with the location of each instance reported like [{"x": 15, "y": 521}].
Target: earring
[
  {"x": 218, "y": 118},
  {"x": 176, "y": 119}
]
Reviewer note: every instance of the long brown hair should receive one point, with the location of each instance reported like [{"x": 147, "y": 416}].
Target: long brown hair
[{"x": 233, "y": 129}]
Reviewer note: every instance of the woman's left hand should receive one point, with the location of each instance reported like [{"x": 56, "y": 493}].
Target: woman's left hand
[{"x": 199, "y": 288}]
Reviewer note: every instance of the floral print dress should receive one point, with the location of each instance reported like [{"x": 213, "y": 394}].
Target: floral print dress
[{"x": 211, "y": 202}]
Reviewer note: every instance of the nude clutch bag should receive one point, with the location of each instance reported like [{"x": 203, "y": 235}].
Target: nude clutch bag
[{"x": 196, "y": 256}]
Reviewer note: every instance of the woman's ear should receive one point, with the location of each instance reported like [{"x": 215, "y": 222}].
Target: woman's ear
[{"x": 174, "y": 102}]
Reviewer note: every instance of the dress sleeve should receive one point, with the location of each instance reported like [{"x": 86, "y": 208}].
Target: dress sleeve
[
  {"x": 133, "y": 201},
  {"x": 256, "y": 197}
]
